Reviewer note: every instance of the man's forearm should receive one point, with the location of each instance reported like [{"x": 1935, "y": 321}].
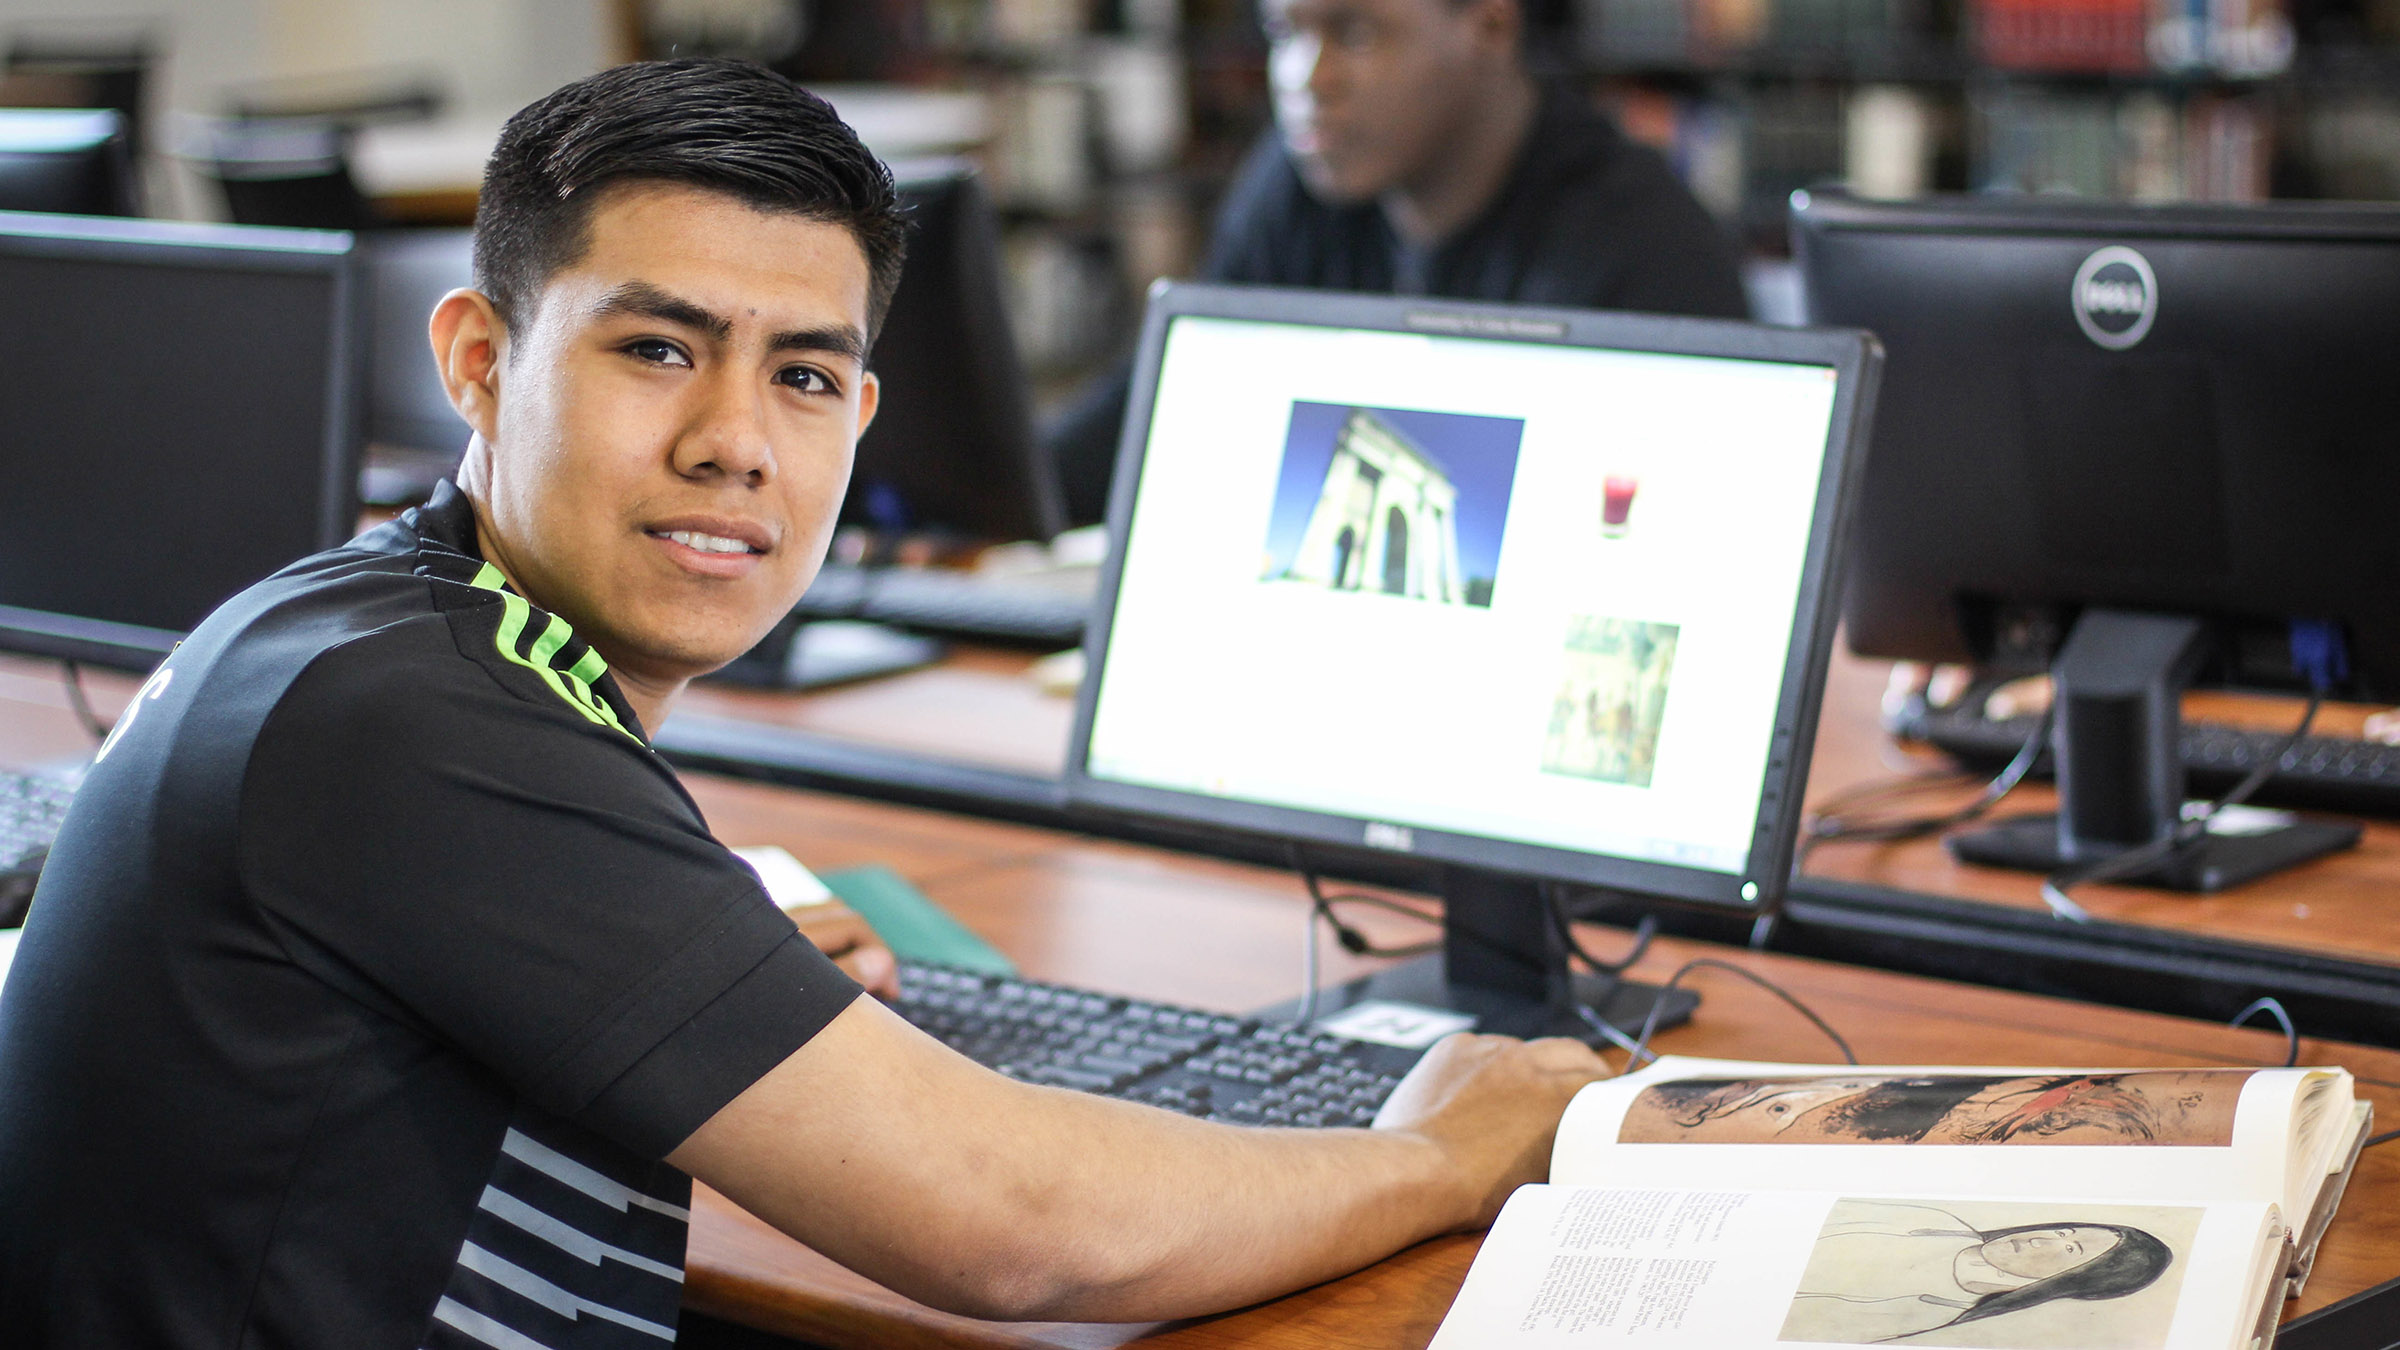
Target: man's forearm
[{"x": 1012, "y": 1201}]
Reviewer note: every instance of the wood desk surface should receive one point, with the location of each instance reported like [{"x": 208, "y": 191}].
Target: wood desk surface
[
  {"x": 978, "y": 707},
  {"x": 1099, "y": 914}
]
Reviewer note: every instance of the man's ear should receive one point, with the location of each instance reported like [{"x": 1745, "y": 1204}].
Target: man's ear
[
  {"x": 469, "y": 339},
  {"x": 870, "y": 397}
]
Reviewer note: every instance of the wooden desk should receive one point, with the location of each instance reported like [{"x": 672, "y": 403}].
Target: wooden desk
[
  {"x": 1222, "y": 935},
  {"x": 1101, "y": 915},
  {"x": 2340, "y": 904},
  {"x": 978, "y": 709}
]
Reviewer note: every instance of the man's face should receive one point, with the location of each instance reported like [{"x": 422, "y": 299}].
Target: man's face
[
  {"x": 674, "y": 423},
  {"x": 1369, "y": 93}
]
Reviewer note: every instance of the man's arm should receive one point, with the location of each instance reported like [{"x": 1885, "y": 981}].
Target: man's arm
[{"x": 907, "y": 1162}]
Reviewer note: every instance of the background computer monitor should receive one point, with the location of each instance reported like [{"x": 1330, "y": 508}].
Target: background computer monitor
[
  {"x": 70, "y": 160},
  {"x": 1534, "y": 596},
  {"x": 2182, "y": 411},
  {"x": 177, "y": 421},
  {"x": 952, "y": 450},
  {"x": 414, "y": 436}
]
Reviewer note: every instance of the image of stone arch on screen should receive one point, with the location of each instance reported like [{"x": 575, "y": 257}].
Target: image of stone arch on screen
[{"x": 1393, "y": 501}]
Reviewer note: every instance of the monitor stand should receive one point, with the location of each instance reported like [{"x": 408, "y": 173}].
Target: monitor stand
[
  {"x": 1504, "y": 964},
  {"x": 802, "y": 653},
  {"x": 2117, "y": 688}
]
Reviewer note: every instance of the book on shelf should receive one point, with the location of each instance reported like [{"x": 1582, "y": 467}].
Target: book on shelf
[{"x": 1727, "y": 1204}]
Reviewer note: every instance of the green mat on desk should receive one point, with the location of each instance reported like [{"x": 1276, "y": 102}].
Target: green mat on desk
[{"x": 914, "y": 927}]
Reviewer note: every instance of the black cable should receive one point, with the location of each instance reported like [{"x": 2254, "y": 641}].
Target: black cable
[
  {"x": 1352, "y": 940},
  {"x": 1836, "y": 829},
  {"x": 2384, "y": 1138},
  {"x": 2185, "y": 833},
  {"x": 2274, "y": 1008},
  {"x": 1643, "y": 931},
  {"x": 71, "y": 673},
  {"x": 1641, "y": 1043}
]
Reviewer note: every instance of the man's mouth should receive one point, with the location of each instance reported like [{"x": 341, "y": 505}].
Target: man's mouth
[{"x": 705, "y": 543}]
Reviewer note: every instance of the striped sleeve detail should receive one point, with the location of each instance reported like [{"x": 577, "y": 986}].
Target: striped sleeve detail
[
  {"x": 573, "y": 683},
  {"x": 574, "y": 1244}
]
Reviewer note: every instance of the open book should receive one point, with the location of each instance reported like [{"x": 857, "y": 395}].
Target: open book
[{"x": 1726, "y": 1204}]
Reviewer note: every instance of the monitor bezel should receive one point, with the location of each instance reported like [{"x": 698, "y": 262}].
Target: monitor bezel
[
  {"x": 1759, "y": 886},
  {"x": 331, "y": 253}
]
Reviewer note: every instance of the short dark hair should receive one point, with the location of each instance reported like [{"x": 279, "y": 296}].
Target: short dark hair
[{"x": 727, "y": 126}]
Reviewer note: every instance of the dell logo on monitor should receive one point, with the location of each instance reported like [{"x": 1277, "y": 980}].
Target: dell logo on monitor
[
  {"x": 1398, "y": 838},
  {"x": 2115, "y": 297}
]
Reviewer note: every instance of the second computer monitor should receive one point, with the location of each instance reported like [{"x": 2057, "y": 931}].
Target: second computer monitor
[
  {"x": 177, "y": 421},
  {"x": 952, "y": 450},
  {"x": 2188, "y": 410},
  {"x": 69, "y": 160}
]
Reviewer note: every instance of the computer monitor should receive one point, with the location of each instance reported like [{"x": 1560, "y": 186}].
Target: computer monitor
[
  {"x": 1533, "y": 596},
  {"x": 414, "y": 437},
  {"x": 68, "y": 160},
  {"x": 952, "y": 450},
  {"x": 2098, "y": 418},
  {"x": 176, "y": 422}
]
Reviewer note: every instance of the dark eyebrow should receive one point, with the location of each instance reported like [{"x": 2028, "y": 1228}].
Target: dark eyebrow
[
  {"x": 648, "y": 301},
  {"x": 834, "y": 340}
]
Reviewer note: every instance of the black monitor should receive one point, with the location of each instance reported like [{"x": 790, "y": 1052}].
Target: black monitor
[
  {"x": 1538, "y": 597},
  {"x": 69, "y": 160},
  {"x": 952, "y": 450},
  {"x": 2137, "y": 445},
  {"x": 414, "y": 437},
  {"x": 177, "y": 421}
]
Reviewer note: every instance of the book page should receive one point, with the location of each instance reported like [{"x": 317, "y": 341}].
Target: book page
[
  {"x": 2156, "y": 1134},
  {"x": 1577, "y": 1266}
]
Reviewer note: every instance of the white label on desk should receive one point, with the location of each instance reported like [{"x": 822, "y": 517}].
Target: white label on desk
[{"x": 1402, "y": 1024}]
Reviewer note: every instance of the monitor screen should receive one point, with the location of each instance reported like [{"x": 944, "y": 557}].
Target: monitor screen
[
  {"x": 65, "y": 159},
  {"x": 1544, "y": 603},
  {"x": 176, "y": 423},
  {"x": 2184, "y": 409},
  {"x": 952, "y": 448}
]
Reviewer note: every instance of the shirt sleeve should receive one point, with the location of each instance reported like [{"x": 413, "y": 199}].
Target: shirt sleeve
[{"x": 522, "y": 884}]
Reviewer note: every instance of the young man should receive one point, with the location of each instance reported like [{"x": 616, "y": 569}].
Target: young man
[
  {"x": 1414, "y": 153},
  {"x": 385, "y": 990}
]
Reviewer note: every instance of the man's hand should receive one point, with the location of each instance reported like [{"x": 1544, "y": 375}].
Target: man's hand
[
  {"x": 1492, "y": 1104},
  {"x": 839, "y": 932}
]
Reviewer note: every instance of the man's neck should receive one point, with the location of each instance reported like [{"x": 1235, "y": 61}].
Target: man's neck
[
  {"x": 1467, "y": 176},
  {"x": 650, "y": 699}
]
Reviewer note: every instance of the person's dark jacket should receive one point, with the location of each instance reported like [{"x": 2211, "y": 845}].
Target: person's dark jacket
[{"x": 1588, "y": 219}]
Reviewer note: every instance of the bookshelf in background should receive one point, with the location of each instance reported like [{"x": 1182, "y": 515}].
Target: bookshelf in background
[
  {"x": 2209, "y": 100},
  {"x": 1110, "y": 128}
]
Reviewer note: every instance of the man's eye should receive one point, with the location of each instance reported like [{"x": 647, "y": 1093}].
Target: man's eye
[
  {"x": 806, "y": 380},
  {"x": 657, "y": 351}
]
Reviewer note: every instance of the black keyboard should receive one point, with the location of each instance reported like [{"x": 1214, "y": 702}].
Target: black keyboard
[
  {"x": 1211, "y": 1065},
  {"x": 31, "y": 807},
  {"x": 2329, "y": 772},
  {"x": 959, "y": 603}
]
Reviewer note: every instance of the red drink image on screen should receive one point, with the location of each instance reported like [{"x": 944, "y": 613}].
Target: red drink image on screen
[{"x": 1616, "y": 503}]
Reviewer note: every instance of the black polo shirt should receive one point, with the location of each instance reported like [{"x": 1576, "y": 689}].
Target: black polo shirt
[
  {"x": 1586, "y": 219},
  {"x": 377, "y": 965}
]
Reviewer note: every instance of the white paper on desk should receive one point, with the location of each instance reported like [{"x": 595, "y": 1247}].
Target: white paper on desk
[{"x": 789, "y": 883}]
